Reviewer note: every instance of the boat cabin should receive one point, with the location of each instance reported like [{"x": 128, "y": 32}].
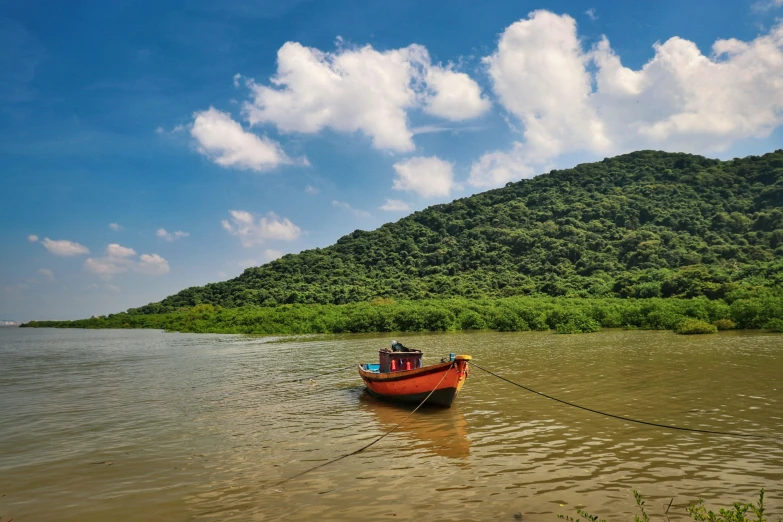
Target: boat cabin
[{"x": 397, "y": 361}]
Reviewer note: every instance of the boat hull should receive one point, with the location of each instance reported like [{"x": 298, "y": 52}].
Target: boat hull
[{"x": 443, "y": 380}]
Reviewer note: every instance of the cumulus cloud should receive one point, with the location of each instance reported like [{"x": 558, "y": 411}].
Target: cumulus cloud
[
  {"x": 115, "y": 226},
  {"x": 253, "y": 232},
  {"x": 47, "y": 274},
  {"x": 120, "y": 259},
  {"x": 355, "y": 211},
  {"x": 115, "y": 250},
  {"x": 171, "y": 236},
  {"x": 105, "y": 267},
  {"x": 361, "y": 89},
  {"x": 152, "y": 264},
  {"x": 311, "y": 190},
  {"x": 494, "y": 169},
  {"x": 591, "y": 14},
  {"x": 569, "y": 98},
  {"x": 454, "y": 95},
  {"x": 395, "y": 205},
  {"x": 271, "y": 254},
  {"x": 225, "y": 142},
  {"x": 64, "y": 247},
  {"x": 426, "y": 176},
  {"x": 32, "y": 238}
]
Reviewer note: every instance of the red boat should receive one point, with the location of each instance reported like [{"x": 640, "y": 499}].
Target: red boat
[{"x": 400, "y": 376}]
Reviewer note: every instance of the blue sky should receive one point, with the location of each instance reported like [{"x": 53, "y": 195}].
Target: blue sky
[{"x": 150, "y": 146}]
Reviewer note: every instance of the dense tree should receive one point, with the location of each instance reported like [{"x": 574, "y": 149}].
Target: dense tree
[
  {"x": 764, "y": 309},
  {"x": 646, "y": 224}
]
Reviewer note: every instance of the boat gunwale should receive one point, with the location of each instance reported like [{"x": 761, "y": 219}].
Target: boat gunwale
[{"x": 405, "y": 374}]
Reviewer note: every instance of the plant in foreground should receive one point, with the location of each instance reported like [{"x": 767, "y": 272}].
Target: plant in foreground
[{"x": 739, "y": 512}]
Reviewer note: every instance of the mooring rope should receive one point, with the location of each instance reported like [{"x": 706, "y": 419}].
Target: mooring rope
[
  {"x": 371, "y": 443},
  {"x": 627, "y": 419}
]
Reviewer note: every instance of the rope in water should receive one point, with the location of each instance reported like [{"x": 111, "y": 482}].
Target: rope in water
[
  {"x": 371, "y": 443},
  {"x": 726, "y": 433}
]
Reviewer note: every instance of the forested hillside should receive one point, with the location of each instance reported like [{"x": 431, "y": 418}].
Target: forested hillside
[{"x": 646, "y": 224}]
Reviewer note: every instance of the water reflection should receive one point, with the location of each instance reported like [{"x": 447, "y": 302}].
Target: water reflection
[{"x": 441, "y": 431}]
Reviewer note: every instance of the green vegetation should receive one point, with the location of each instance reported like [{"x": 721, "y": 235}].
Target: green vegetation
[
  {"x": 725, "y": 324},
  {"x": 564, "y": 315},
  {"x": 774, "y": 325},
  {"x": 694, "y": 326},
  {"x": 739, "y": 512},
  {"x": 646, "y": 225}
]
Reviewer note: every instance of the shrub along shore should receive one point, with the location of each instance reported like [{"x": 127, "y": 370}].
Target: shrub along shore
[{"x": 564, "y": 315}]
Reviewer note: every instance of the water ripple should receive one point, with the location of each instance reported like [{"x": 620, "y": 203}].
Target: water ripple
[{"x": 134, "y": 425}]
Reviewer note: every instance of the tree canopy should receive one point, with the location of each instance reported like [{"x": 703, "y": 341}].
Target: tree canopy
[{"x": 644, "y": 225}]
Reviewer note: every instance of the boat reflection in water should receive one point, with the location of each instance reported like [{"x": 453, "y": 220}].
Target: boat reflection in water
[{"x": 444, "y": 432}]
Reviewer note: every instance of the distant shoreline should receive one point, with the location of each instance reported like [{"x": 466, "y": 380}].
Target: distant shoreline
[{"x": 562, "y": 314}]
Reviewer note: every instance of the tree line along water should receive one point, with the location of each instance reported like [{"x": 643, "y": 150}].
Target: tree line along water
[{"x": 564, "y": 315}]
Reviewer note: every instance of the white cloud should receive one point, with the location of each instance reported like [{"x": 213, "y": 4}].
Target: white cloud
[
  {"x": 395, "y": 205},
  {"x": 428, "y": 177},
  {"x": 311, "y": 190},
  {"x": 169, "y": 236},
  {"x": 355, "y": 211},
  {"x": 361, "y": 89},
  {"x": 766, "y": 5},
  {"x": 115, "y": 250},
  {"x": 570, "y": 99},
  {"x": 120, "y": 259},
  {"x": 64, "y": 247},
  {"x": 494, "y": 169},
  {"x": 32, "y": 238},
  {"x": 47, "y": 274},
  {"x": 455, "y": 96},
  {"x": 271, "y": 254},
  {"x": 539, "y": 74},
  {"x": 591, "y": 14},
  {"x": 152, "y": 264},
  {"x": 106, "y": 267},
  {"x": 225, "y": 142},
  {"x": 251, "y": 232},
  {"x": 115, "y": 226}
]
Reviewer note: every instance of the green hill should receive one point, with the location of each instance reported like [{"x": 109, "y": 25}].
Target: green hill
[{"x": 646, "y": 224}]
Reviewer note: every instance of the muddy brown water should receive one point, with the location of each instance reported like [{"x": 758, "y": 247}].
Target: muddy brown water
[{"x": 144, "y": 425}]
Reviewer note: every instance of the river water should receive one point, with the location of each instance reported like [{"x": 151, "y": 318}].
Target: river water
[{"x": 139, "y": 425}]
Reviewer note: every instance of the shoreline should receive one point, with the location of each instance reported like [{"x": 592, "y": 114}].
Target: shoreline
[{"x": 561, "y": 314}]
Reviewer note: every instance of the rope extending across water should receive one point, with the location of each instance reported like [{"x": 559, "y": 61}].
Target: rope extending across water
[
  {"x": 627, "y": 419},
  {"x": 371, "y": 443}
]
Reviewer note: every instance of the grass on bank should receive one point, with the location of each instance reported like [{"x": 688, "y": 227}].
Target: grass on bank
[{"x": 564, "y": 315}]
